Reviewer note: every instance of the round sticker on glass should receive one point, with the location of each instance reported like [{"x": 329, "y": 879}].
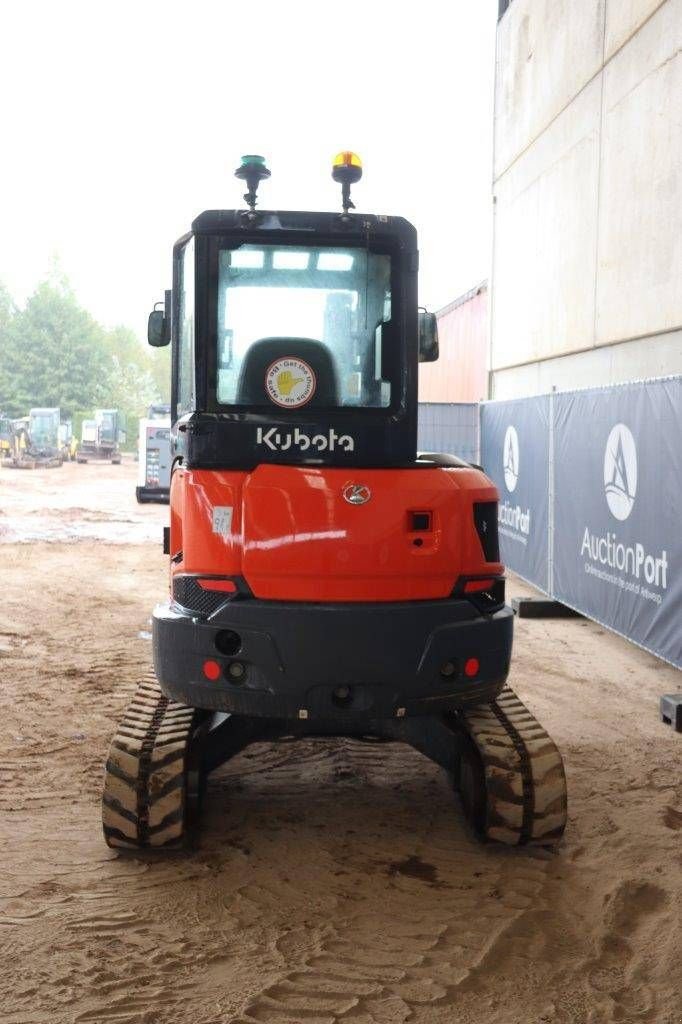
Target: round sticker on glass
[{"x": 290, "y": 382}]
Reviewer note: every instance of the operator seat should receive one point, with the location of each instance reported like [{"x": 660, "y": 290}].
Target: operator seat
[{"x": 260, "y": 356}]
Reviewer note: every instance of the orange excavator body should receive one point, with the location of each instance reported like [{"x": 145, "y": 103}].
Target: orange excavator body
[{"x": 293, "y": 536}]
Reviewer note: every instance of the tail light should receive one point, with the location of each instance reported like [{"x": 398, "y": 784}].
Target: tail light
[
  {"x": 226, "y": 586},
  {"x": 211, "y": 670},
  {"x": 487, "y": 593},
  {"x": 205, "y": 594},
  {"x": 476, "y": 586}
]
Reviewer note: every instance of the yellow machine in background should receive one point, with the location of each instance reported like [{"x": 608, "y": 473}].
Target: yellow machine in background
[
  {"x": 68, "y": 442},
  {"x": 6, "y": 437},
  {"x": 35, "y": 440}
]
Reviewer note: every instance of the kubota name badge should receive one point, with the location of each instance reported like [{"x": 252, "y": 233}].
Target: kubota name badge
[{"x": 222, "y": 520}]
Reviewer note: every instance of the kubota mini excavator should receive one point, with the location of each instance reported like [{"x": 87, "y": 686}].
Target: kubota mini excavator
[{"x": 325, "y": 578}]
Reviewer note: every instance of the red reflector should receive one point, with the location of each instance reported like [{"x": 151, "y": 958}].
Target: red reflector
[
  {"x": 211, "y": 669},
  {"x": 471, "y": 667},
  {"x": 471, "y": 586},
  {"x": 227, "y": 585}
]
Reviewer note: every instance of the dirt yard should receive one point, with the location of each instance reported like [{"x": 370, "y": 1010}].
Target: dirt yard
[{"x": 334, "y": 881}]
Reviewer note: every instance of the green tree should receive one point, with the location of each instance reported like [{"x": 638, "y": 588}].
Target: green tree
[
  {"x": 55, "y": 354},
  {"x": 160, "y": 365},
  {"x": 7, "y": 314},
  {"x": 152, "y": 364},
  {"x": 133, "y": 387}
]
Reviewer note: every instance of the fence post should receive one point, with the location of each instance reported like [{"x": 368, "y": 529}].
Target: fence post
[{"x": 550, "y": 498}]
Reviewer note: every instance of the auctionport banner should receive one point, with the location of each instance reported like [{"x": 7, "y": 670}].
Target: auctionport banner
[
  {"x": 617, "y": 467},
  {"x": 515, "y": 455}
]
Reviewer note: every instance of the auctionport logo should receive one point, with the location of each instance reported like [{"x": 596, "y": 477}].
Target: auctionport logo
[
  {"x": 514, "y": 521},
  {"x": 620, "y": 471},
  {"x": 626, "y": 564},
  {"x": 511, "y": 458}
]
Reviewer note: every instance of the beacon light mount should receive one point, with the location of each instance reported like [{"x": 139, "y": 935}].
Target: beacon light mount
[
  {"x": 252, "y": 170},
  {"x": 347, "y": 170}
]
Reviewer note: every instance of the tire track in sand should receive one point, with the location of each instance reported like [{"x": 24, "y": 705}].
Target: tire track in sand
[{"x": 412, "y": 903}]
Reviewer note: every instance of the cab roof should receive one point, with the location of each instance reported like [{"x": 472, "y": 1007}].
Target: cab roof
[{"x": 355, "y": 225}]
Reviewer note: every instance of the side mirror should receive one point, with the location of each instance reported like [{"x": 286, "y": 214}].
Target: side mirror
[
  {"x": 428, "y": 337},
  {"x": 158, "y": 333}
]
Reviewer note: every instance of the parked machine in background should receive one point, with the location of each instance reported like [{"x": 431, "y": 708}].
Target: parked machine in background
[
  {"x": 6, "y": 437},
  {"x": 158, "y": 411},
  {"x": 43, "y": 431},
  {"x": 102, "y": 437},
  {"x": 88, "y": 439},
  {"x": 68, "y": 442},
  {"x": 20, "y": 439},
  {"x": 326, "y": 579},
  {"x": 154, "y": 456},
  {"x": 35, "y": 442}
]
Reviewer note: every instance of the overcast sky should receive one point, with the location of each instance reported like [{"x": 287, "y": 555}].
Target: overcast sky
[{"x": 121, "y": 122}]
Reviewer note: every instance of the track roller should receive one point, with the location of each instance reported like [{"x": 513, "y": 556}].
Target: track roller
[
  {"x": 511, "y": 776},
  {"x": 151, "y": 786}
]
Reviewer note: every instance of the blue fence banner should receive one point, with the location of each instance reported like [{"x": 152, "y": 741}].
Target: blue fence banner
[
  {"x": 515, "y": 455},
  {"x": 617, "y": 515},
  {"x": 449, "y": 427}
]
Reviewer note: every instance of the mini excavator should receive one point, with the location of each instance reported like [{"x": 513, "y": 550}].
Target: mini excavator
[{"x": 326, "y": 578}]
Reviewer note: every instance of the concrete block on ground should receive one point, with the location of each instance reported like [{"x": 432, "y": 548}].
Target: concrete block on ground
[
  {"x": 671, "y": 710},
  {"x": 542, "y": 608}
]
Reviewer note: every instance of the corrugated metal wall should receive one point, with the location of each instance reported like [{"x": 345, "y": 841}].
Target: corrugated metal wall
[
  {"x": 449, "y": 427},
  {"x": 460, "y": 375}
]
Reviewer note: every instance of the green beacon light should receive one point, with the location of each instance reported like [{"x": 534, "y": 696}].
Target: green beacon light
[{"x": 252, "y": 170}]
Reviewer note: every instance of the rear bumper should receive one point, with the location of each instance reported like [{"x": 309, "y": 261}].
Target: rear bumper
[
  {"x": 296, "y": 657},
  {"x": 149, "y": 494}
]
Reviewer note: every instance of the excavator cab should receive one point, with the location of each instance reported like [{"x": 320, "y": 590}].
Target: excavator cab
[
  {"x": 44, "y": 430},
  {"x": 325, "y": 577}
]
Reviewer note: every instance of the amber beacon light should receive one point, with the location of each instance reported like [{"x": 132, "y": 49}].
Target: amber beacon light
[{"x": 347, "y": 170}]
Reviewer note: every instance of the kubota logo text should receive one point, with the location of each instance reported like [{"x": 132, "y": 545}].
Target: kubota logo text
[{"x": 278, "y": 441}]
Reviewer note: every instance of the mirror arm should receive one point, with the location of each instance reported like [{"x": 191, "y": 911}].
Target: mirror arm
[{"x": 167, "y": 307}]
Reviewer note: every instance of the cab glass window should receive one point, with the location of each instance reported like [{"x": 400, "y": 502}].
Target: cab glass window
[
  {"x": 186, "y": 397},
  {"x": 300, "y": 324}
]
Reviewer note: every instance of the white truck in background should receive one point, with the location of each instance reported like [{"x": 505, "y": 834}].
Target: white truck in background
[
  {"x": 102, "y": 437},
  {"x": 154, "y": 456}
]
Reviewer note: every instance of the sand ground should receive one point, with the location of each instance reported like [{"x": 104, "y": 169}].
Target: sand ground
[{"x": 334, "y": 881}]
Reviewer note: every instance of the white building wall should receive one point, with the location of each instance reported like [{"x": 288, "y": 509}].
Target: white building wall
[{"x": 588, "y": 197}]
